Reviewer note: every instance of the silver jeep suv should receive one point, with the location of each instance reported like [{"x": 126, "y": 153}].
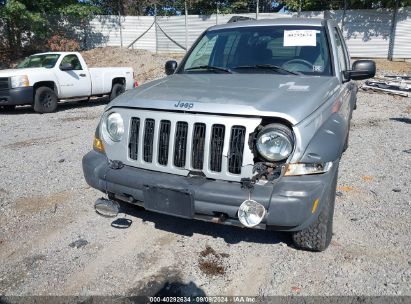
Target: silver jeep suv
[{"x": 247, "y": 130}]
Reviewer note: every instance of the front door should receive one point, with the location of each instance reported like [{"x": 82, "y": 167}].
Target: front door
[{"x": 76, "y": 82}]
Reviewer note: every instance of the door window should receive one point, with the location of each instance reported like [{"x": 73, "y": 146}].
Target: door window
[{"x": 73, "y": 60}]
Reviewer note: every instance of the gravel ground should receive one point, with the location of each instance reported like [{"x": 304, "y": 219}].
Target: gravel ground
[{"x": 53, "y": 243}]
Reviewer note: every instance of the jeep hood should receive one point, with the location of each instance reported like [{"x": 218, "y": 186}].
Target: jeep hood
[{"x": 291, "y": 97}]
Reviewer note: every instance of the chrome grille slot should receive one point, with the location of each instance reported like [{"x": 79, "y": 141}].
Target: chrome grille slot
[
  {"x": 216, "y": 147},
  {"x": 197, "y": 153},
  {"x": 164, "y": 140},
  {"x": 180, "y": 144},
  {"x": 134, "y": 135},
  {"x": 236, "y": 148},
  {"x": 148, "y": 140}
]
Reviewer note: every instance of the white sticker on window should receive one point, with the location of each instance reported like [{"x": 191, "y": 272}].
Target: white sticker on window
[
  {"x": 318, "y": 68},
  {"x": 300, "y": 38}
]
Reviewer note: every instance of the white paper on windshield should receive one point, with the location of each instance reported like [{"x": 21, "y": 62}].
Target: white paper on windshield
[{"x": 300, "y": 38}]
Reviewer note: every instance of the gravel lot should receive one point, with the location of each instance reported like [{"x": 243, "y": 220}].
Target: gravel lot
[{"x": 46, "y": 206}]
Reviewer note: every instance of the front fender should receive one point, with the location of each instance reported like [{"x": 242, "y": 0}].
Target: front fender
[{"x": 328, "y": 142}]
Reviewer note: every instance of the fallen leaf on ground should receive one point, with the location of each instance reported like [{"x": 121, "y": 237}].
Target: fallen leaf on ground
[
  {"x": 345, "y": 188},
  {"x": 367, "y": 178}
]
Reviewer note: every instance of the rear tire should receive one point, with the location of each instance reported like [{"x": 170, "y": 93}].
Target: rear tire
[
  {"x": 45, "y": 100},
  {"x": 317, "y": 237},
  {"x": 117, "y": 90}
]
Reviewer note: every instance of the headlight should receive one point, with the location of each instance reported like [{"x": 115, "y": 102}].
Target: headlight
[
  {"x": 305, "y": 169},
  {"x": 275, "y": 142},
  {"x": 19, "y": 81},
  {"x": 114, "y": 126}
]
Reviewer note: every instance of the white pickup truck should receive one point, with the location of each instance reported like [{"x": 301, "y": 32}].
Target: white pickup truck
[{"x": 43, "y": 79}]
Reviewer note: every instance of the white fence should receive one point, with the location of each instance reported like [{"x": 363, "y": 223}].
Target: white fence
[{"x": 369, "y": 33}]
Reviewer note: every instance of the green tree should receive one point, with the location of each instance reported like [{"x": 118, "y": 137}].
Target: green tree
[{"x": 26, "y": 21}]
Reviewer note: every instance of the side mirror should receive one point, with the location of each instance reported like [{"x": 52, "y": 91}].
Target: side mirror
[
  {"x": 66, "y": 67},
  {"x": 361, "y": 69},
  {"x": 171, "y": 67}
]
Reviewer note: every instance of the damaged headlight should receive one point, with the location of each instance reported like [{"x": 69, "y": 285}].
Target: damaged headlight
[
  {"x": 305, "y": 169},
  {"x": 275, "y": 142},
  {"x": 114, "y": 126}
]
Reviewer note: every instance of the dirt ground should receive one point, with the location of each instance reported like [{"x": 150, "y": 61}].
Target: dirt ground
[
  {"x": 397, "y": 67},
  {"x": 147, "y": 65}
]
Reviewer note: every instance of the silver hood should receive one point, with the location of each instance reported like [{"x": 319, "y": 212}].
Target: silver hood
[{"x": 286, "y": 96}]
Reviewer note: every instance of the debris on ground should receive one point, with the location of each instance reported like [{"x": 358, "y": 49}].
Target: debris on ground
[
  {"x": 31, "y": 261},
  {"x": 211, "y": 263},
  {"x": 295, "y": 289},
  {"x": 389, "y": 84},
  {"x": 78, "y": 243}
]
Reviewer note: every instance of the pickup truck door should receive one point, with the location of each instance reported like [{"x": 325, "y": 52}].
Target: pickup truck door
[{"x": 76, "y": 82}]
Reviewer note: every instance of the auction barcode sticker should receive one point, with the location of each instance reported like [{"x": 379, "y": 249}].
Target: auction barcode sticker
[{"x": 300, "y": 38}]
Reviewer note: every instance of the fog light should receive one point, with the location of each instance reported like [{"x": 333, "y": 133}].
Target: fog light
[{"x": 251, "y": 213}]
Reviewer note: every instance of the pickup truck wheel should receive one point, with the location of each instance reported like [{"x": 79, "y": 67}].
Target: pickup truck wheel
[
  {"x": 117, "y": 90},
  {"x": 45, "y": 100},
  {"x": 318, "y": 236}
]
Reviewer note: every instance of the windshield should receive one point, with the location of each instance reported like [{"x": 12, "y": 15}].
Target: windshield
[
  {"x": 39, "y": 61},
  {"x": 261, "y": 49}
]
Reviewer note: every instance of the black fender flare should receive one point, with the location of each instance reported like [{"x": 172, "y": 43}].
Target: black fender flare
[{"x": 328, "y": 142}]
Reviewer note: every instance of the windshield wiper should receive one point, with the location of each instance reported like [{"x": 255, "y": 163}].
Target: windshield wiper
[
  {"x": 210, "y": 68},
  {"x": 267, "y": 66}
]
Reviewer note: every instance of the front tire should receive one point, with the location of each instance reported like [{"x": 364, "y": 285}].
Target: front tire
[
  {"x": 45, "y": 100},
  {"x": 117, "y": 90},
  {"x": 317, "y": 236}
]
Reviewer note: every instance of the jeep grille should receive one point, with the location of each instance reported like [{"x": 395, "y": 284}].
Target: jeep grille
[{"x": 178, "y": 136}]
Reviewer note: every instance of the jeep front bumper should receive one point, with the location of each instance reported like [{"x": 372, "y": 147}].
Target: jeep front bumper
[{"x": 289, "y": 201}]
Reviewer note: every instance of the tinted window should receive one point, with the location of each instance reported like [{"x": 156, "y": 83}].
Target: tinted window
[{"x": 295, "y": 48}]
